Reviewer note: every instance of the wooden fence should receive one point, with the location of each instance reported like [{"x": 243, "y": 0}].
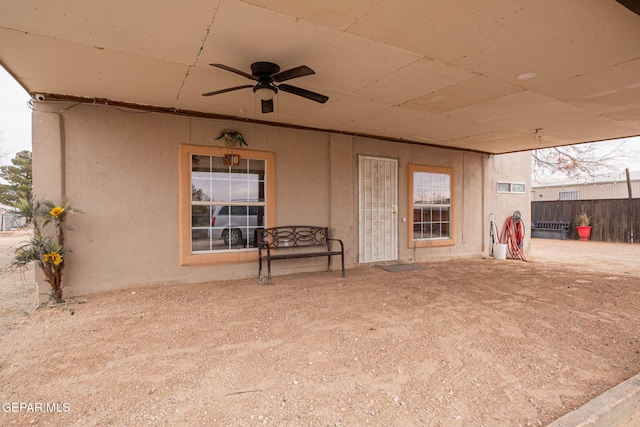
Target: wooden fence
[{"x": 612, "y": 220}]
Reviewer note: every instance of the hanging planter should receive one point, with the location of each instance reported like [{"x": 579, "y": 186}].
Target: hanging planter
[{"x": 232, "y": 138}]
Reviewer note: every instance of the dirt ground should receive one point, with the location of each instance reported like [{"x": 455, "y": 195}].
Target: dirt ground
[{"x": 466, "y": 342}]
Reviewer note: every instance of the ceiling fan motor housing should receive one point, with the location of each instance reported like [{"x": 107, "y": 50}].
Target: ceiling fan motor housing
[{"x": 264, "y": 69}]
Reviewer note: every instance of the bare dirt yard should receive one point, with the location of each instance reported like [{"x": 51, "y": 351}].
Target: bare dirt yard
[{"x": 466, "y": 342}]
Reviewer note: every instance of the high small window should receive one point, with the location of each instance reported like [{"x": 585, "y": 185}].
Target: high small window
[
  {"x": 512, "y": 187},
  {"x": 432, "y": 206},
  {"x": 569, "y": 195},
  {"x": 225, "y": 201}
]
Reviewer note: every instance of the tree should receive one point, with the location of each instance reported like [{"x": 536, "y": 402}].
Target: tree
[
  {"x": 19, "y": 179},
  {"x": 576, "y": 162}
]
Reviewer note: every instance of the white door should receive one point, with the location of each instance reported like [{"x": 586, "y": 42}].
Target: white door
[{"x": 378, "y": 209}]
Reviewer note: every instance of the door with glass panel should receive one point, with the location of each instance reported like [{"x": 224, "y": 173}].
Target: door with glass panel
[{"x": 378, "y": 209}]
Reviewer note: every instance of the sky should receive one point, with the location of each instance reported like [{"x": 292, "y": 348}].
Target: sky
[{"x": 15, "y": 118}]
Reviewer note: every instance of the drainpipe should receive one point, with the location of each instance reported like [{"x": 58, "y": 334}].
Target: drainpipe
[
  {"x": 630, "y": 205},
  {"x": 485, "y": 210}
]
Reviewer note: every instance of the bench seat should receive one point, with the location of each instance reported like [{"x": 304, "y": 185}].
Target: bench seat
[{"x": 296, "y": 241}]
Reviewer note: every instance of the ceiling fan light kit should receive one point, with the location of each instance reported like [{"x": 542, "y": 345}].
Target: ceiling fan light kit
[
  {"x": 267, "y": 74},
  {"x": 265, "y": 92}
]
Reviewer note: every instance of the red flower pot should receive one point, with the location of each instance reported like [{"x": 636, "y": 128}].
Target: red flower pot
[{"x": 584, "y": 231}]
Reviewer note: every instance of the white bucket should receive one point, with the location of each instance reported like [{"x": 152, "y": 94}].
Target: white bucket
[{"x": 500, "y": 251}]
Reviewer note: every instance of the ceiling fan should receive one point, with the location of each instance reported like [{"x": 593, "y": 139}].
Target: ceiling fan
[{"x": 267, "y": 74}]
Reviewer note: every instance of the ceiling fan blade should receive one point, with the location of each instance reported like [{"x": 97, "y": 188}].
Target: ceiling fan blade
[
  {"x": 217, "y": 92},
  {"x": 293, "y": 73},
  {"x": 632, "y": 5},
  {"x": 304, "y": 93},
  {"x": 233, "y": 70},
  {"x": 267, "y": 106}
]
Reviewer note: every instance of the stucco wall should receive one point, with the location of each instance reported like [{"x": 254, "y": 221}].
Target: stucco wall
[
  {"x": 121, "y": 168},
  {"x": 514, "y": 167}
]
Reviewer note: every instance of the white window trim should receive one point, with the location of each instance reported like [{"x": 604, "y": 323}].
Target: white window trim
[{"x": 511, "y": 187}]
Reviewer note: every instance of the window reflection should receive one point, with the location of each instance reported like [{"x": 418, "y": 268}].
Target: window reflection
[
  {"x": 228, "y": 203},
  {"x": 431, "y": 205}
]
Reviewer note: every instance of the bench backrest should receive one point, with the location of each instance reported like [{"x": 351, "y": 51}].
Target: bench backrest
[
  {"x": 553, "y": 225},
  {"x": 293, "y": 236}
]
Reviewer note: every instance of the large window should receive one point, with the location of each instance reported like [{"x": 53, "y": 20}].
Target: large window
[
  {"x": 225, "y": 201},
  {"x": 432, "y": 206}
]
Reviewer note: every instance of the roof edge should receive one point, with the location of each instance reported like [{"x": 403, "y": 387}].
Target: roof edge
[{"x": 52, "y": 97}]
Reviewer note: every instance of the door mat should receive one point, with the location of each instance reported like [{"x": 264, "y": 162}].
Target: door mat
[{"x": 397, "y": 268}]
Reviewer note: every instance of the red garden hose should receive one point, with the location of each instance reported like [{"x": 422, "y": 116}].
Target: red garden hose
[{"x": 513, "y": 236}]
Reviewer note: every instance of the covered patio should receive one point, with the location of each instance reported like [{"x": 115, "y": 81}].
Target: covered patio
[
  {"x": 454, "y": 343},
  {"x": 438, "y": 104}
]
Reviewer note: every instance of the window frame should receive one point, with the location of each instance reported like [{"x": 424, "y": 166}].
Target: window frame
[
  {"x": 429, "y": 243},
  {"x": 569, "y": 195},
  {"x": 511, "y": 187},
  {"x": 185, "y": 152}
]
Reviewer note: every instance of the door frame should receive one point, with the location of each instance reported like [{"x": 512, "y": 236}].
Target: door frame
[{"x": 389, "y": 210}]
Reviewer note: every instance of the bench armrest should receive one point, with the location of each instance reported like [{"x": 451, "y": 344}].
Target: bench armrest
[{"x": 339, "y": 241}]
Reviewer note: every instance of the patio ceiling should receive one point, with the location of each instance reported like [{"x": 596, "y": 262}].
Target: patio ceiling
[{"x": 432, "y": 72}]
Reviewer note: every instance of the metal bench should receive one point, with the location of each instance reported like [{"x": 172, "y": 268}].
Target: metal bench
[
  {"x": 551, "y": 230},
  {"x": 295, "y": 241}
]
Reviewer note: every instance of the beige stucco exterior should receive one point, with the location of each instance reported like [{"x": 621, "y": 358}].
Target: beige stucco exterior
[{"x": 121, "y": 169}]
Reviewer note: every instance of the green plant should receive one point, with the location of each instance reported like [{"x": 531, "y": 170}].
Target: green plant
[
  {"x": 582, "y": 219},
  {"x": 47, "y": 245},
  {"x": 24, "y": 209},
  {"x": 17, "y": 179}
]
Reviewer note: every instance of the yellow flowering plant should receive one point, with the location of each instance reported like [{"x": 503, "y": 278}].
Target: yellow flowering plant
[{"x": 47, "y": 245}]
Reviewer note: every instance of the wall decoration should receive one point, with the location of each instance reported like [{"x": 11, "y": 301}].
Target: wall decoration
[
  {"x": 231, "y": 160},
  {"x": 232, "y": 138}
]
